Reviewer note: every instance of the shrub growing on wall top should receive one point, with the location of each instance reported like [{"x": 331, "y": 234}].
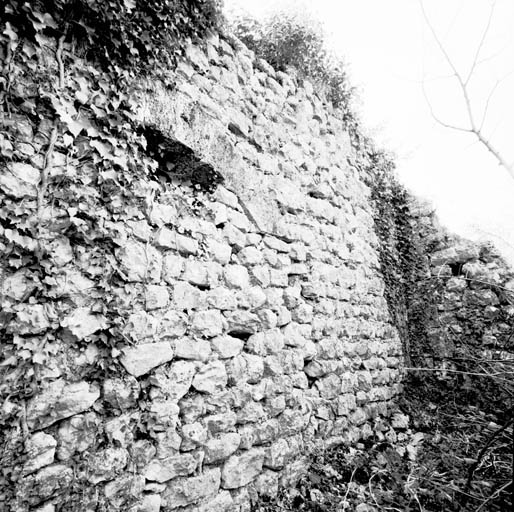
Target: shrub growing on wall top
[{"x": 290, "y": 40}]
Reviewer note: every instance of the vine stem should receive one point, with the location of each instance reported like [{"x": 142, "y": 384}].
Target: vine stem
[
  {"x": 47, "y": 162},
  {"x": 58, "y": 56}
]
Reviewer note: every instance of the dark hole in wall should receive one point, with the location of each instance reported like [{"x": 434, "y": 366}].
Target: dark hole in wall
[
  {"x": 456, "y": 268},
  {"x": 178, "y": 161},
  {"x": 240, "y": 335}
]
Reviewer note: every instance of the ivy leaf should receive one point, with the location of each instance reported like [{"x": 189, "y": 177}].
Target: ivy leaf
[
  {"x": 43, "y": 21},
  {"x": 129, "y": 4},
  {"x": 10, "y": 33}
]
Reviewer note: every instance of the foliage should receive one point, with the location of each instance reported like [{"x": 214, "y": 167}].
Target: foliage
[
  {"x": 98, "y": 168},
  {"x": 289, "y": 40},
  {"x": 127, "y": 33}
]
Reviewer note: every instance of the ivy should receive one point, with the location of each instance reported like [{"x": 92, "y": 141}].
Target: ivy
[
  {"x": 132, "y": 34},
  {"x": 73, "y": 120}
]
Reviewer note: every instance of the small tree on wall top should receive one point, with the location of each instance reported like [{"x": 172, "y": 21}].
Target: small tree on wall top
[{"x": 292, "y": 40}]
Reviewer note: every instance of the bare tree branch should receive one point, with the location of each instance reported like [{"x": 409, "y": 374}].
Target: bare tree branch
[
  {"x": 463, "y": 85},
  {"x": 481, "y": 44}
]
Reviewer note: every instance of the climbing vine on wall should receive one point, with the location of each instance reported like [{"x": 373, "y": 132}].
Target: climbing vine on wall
[
  {"x": 78, "y": 164},
  {"x": 402, "y": 262}
]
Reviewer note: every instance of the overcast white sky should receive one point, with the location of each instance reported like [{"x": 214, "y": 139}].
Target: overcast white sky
[{"x": 390, "y": 52}]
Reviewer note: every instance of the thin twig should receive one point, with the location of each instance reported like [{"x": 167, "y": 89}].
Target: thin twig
[
  {"x": 496, "y": 374},
  {"x": 345, "y": 499},
  {"x": 494, "y": 495},
  {"x": 482, "y": 453}
]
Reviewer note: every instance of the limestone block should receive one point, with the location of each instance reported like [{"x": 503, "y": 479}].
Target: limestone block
[
  {"x": 211, "y": 378},
  {"x": 121, "y": 393},
  {"x": 187, "y": 296},
  {"x": 266, "y": 484},
  {"x": 163, "y": 413},
  {"x": 277, "y": 454},
  {"x": 262, "y": 275},
  {"x": 227, "y": 346},
  {"x": 192, "y": 407},
  {"x": 162, "y": 214},
  {"x": 221, "y": 298},
  {"x": 106, "y": 464},
  {"x": 189, "y": 348},
  {"x": 460, "y": 253},
  {"x": 240, "y": 470},
  {"x": 250, "y": 256},
  {"x": 223, "y": 502},
  {"x": 272, "y": 366},
  {"x": 48, "y": 482},
  {"x": 252, "y": 298},
  {"x": 242, "y": 322},
  {"x": 220, "y": 251},
  {"x": 140, "y": 326},
  {"x": 316, "y": 369},
  {"x": 156, "y": 297},
  {"x": 58, "y": 401},
  {"x": 245, "y": 368},
  {"x": 358, "y": 417},
  {"x": 221, "y": 447},
  {"x": 400, "y": 421},
  {"x": 283, "y": 316},
  {"x": 278, "y": 278},
  {"x": 303, "y": 313},
  {"x": 162, "y": 470},
  {"x": 124, "y": 490},
  {"x": 169, "y": 239},
  {"x": 140, "y": 262},
  {"x": 293, "y": 335},
  {"x": 216, "y": 423},
  {"x": 234, "y": 236},
  {"x": 140, "y": 359},
  {"x": 187, "y": 491},
  {"x": 19, "y": 180},
  {"x": 172, "y": 325},
  {"x": 77, "y": 434},
  {"x": 40, "y": 449},
  {"x": 288, "y": 195},
  {"x": 173, "y": 266},
  {"x": 269, "y": 320},
  {"x": 236, "y": 276},
  {"x": 196, "y": 273},
  {"x": 150, "y": 503},
  {"x": 275, "y": 405},
  {"x": 140, "y": 229},
  {"x": 251, "y": 412},
  {"x": 226, "y": 197},
  {"x": 299, "y": 380},
  {"x": 167, "y": 444},
  {"x": 293, "y": 421},
  {"x": 265, "y": 343},
  {"x": 82, "y": 323},
  {"x": 118, "y": 430},
  {"x": 208, "y": 323}
]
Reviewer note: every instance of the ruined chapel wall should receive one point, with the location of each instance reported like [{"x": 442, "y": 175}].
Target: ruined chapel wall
[{"x": 254, "y": 321}]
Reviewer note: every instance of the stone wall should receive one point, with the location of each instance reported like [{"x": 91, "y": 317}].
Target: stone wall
[
  {"x": 470, "y": 297},
  {"x": 194, "y": 347}
]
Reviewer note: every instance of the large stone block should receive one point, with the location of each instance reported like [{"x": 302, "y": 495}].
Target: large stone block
[
  {"x": 240, "y": 470},
  {"x": 140, "y": 359},
  {"x": 188, "y": 491},
  {"x": 58, "y": 401}
]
